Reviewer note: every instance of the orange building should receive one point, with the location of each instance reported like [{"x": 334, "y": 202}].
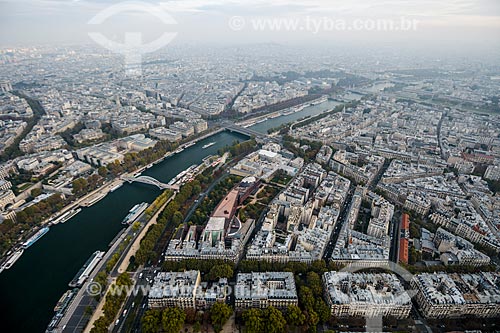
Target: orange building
[
  {"x": 404, "y": 234},
  {"x": 405, "y": 222},
  {"x": 403, "y": 250},
  {"x": 227, "y": 207}
]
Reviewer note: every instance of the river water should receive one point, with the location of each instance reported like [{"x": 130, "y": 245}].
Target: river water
[
  {"x": 31, "y": 288},
  {"x": 308, "y": 111}
]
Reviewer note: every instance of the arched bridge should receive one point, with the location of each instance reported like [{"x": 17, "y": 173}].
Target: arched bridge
[{"x": 151, "y": 181}]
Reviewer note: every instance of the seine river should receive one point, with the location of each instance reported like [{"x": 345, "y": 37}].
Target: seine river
[
  {"x": 31, "y": 288},
  {"x": 308, "y": 111}
]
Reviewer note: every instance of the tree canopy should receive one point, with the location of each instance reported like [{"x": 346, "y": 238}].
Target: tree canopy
[{"x": 219, "y": 315}]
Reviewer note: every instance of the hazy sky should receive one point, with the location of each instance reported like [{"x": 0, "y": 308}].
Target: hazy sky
[{"x": 66, "y": 21}]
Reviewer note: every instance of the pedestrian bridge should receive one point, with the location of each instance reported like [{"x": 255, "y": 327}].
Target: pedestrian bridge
[{"x": 151, "y": 181}]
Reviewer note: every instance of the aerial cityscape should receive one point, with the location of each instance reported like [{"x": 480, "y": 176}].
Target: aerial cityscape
[{"x": 289, "y": 166}]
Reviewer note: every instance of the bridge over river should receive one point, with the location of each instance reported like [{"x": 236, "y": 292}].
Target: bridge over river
[
  {"x": 151, "y": 181},
  {"x": 232, "y": 127}
]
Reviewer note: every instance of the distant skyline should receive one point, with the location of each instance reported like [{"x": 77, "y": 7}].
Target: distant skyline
[{"x": 467, "y": 22}]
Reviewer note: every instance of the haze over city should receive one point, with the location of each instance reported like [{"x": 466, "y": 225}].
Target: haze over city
[{"x": 467, "y": 22}]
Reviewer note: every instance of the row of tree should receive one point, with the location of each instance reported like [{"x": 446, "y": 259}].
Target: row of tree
[
  {"x": 136, "y": 160},
  {"x": 213, "y": 198},
  {"x": 170, "y": 218},
  {"x": 311, "y": 301},
  {"x": 212, "y": 269},
  {"x": 172, "y": 320},
  {"x": 449, "y": 269},
  {"x": 27, "y": 219},
  {"x": 82, "y": 186},
  {"x": 269, "y": 320},
  {"x": 166, "y": 320},
  {"x": 204, "y": 266},
  {"x": 157, "y": 204},
  {"x": 113, "y": 304},
  {"x": 247, "y": 266},
  {"x": 173, "y": 214},
  {"x": 272, "y": 320},
  {"x": 238, "y": 148},
  {"x": 35, "y": 214},
  {"x": 318, "y": 266}
]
